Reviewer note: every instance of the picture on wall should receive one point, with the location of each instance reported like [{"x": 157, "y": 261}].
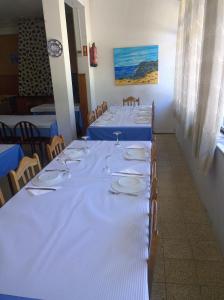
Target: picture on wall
[{"x": 136, "y": 65}]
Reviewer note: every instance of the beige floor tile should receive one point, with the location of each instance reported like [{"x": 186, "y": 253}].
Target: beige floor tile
[
  {"x": 188, "y": 249},
  {"x": 159, "y": 271},
  {"x": 210, "y": 273},
  {"x": 206, "y": 250},
  {"x": 158, "y": 291},
  {"x": 199, "y": 232},
  {"x": 180, "y": 271},
  {"x": 212, "y": 293},
  {"x": 196, "y": 216},
  {"x": 170, "y": 214},
  {"x": 183, "y": 292},
  {"x": 176, "y": 231},
  {"x": 177, "y": 249},
  {"x": 160, "y": 249}
]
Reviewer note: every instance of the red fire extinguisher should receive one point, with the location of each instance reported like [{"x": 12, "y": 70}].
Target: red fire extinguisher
[{"x": 93, "y": 55}]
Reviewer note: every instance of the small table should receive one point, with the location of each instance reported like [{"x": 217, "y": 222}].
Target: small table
[
  {"x": 46, "y": 124},
  {"x": 10, "y": 156},
  {"x": 49, "y": 109},
  {"x": 123, "y": 119}
]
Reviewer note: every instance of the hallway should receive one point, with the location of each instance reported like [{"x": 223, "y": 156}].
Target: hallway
[{"x": 189, "y": 263}]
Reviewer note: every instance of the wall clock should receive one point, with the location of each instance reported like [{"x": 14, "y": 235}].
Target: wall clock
[{"x": 54, "y": 48}]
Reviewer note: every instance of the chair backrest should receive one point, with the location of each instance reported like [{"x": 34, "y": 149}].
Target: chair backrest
[
  {"x": 154, "y": 188},
  {"x": 27, "y": 169},
  {"x": 91, "y": 117},
  {"x": 154, "y": 150},
  {"x": 104, "y": 106},
  {"x": 131, "y": 101},
  {"x": 153, "y": 242},
  {"x": 153, "y": 117},
  {"x": 27, "y": 131},
  {"x": 2, "y": 199},
  {"x": 55, "y": 147},
  {"x": 99, "y": 111},
  {"x": 6, "y": 133}
]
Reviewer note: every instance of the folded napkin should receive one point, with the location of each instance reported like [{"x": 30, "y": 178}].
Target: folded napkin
[
  {"x": 136, "y": 146},
  {"x": 127, "y": 172},
  {"x": 37, "y": 192}
]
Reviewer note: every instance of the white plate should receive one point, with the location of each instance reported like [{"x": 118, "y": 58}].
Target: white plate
[
  {"x": 101, "y": 122},
  {"x": 135, "y": 154},
  {"x": 142, "y": 121},
  {"x": 74, "y": 153},
  {"x": 49, "y": 178},
  {"x": 129, "y": 185},
  {"x": 135, "y": 146},
  {"x": 106, "y": 118}
]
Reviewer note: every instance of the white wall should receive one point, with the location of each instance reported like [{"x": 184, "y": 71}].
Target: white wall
[
  {"x": 210, "y": 187},
  {"x": 134, "y": 23}
]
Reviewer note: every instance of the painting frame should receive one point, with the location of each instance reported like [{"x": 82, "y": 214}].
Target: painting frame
[{"x": 136, "y": 65}]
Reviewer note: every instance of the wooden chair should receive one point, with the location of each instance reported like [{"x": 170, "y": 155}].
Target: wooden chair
[
  {"x": 154, "y": 150},
  {"x": 29, "y": 134},
  {"x": 153, "y": 242},
  {"x": 153, "y": 117},
  {"x": 131, "y": 101},
  {"x": 6, "y": 134},
  {"x": 2, "y": 199},
  {"x": 104, "y": 106},
  {"x": 91, "y": 117},
  {"x": 154, "y": 188},
  {"x": 25, "y": 172},
  {"x": 55, "y": 147},
  {"x": 98, "y": 111}
]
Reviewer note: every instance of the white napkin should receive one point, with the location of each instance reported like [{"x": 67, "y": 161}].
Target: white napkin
[
  {"x": 136, "y": 146},
  {"x": 36, "y": 192},
  {"x": 125, "y": 172}
]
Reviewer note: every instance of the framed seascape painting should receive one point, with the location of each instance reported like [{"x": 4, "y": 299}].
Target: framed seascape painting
[{"x": 136, "y": 65}]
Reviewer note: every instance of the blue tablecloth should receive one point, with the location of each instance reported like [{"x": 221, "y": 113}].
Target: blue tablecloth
[
  {"x": 78, "y": 118},
  {"x": 8, "y": 297},
  {"x": 51, "y": 131},
  {"x": 128, "y": 133},
  {"x": 47, "y": 125},
  {"x": 9, "y": 158}
]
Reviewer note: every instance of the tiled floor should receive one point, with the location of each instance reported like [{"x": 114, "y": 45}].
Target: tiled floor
[{"x": 189, "y": 264}]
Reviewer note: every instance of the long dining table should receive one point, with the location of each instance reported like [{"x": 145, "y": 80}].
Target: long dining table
[
  {"x": 49, "y": 109},
  {"x": 81, "y": 240},
  {"x": 47, "y": 124},
  {"x": 134, "y": 124}
]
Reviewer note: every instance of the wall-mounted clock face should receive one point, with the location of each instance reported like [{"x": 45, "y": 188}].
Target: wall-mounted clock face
[{"x": 54, "y": 48}]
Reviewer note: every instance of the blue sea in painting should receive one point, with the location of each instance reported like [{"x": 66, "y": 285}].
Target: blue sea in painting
[
  {"x": 125, "y": 72},
  {"x": 135, "y": 62}
]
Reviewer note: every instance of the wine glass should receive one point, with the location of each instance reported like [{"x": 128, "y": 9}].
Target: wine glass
[
  {"x": 117, "y": 133},
  {"x": 85, "y": 138},
  {"x": 63, "y": 159},
  {"x": 106, "y": 168}
]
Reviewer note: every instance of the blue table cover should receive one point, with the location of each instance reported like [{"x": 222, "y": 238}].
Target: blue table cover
[
  {"x": 45, "y": 132},
  {"x": 8, "y": 297},
  {"x": 9, "y": 159},
  {"x": 78, "y": 117},
  {"x": 128, "y": 133}
]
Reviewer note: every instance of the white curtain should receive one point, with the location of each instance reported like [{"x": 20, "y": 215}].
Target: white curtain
[{"x": 200, "y": 74}]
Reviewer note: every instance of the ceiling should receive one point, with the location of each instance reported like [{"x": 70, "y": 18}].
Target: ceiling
[{"x": 12, "y": 10}]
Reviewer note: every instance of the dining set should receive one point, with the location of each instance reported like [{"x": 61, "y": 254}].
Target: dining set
[{"x": 85, "y": 225}]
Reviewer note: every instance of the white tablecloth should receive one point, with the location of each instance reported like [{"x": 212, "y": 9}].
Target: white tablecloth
[
  {"x": 48, "y": 107},
  {"x": 124, "y": 116},
  {"x": 41, "y": 121},
  {"x": 80, "y": 242},
  {"x": 4, "y": 147}
]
